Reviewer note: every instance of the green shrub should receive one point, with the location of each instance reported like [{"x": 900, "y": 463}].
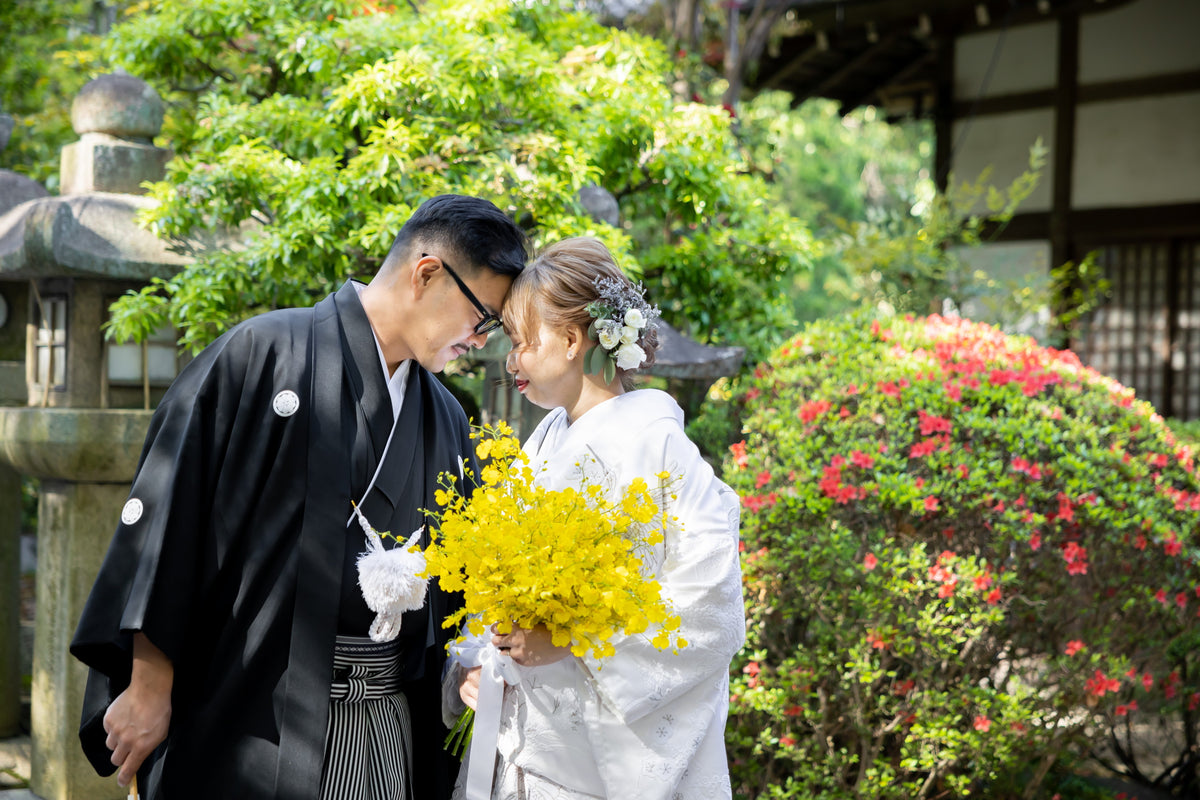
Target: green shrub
[
  {"x": 1188, "y": 432},
  {"x": 967, "y": 560}
]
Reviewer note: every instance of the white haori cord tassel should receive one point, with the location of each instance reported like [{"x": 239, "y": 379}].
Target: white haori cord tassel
[{"x": 388, "y": 580}]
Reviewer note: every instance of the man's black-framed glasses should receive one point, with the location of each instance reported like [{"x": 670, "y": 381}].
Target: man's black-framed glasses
[{"x": 490, "y": 321}]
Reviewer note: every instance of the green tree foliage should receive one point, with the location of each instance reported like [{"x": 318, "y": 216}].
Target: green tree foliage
[
  {"x": 49, "y": 53},
  {"x": 314, "y": 128},
  {"x": 838, "y": 173},
  {"x": 968, "y": 559}
]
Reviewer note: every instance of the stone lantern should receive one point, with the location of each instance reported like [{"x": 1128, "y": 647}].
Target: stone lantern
[{"x": 87, "y": 409}]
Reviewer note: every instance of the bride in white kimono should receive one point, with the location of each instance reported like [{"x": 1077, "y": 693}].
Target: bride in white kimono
[{"x": 643, "y": 723}]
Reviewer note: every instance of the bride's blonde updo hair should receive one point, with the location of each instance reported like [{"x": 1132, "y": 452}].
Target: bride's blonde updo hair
[{"x": 557, "y": 287}]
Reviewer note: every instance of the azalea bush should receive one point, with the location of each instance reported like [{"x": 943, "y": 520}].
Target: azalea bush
[{"x": 970, "y": 562}]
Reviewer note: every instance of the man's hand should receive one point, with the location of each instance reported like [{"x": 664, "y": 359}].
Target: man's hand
[
  {"x": 137, "y": 721},
  {"x": 468, "y": 690},
  {"x": 530, "y": 647}
]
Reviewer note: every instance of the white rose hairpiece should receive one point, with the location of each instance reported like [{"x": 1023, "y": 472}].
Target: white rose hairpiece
[{"x": 620, "y": 319}]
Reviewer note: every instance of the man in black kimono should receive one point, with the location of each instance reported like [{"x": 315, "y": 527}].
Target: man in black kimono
[{"x": 211, "y": 628}]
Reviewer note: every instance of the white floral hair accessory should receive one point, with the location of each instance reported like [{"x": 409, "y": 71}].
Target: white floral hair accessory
[{"x": 621, "y": 317}]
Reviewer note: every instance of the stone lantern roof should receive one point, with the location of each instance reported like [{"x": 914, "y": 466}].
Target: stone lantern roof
[
  {"x": 91, "y": 229},
  {"x": 681, "y": 357}
]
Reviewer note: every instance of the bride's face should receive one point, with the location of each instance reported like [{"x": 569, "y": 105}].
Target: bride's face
[{"x": 548, "y": 369}]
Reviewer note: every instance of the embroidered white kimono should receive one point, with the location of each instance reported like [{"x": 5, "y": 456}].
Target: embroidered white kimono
[{"x": 643, "y": 723}]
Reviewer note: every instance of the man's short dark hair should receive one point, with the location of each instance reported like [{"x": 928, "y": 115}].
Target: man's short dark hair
[{"x": 468, "y": 231}]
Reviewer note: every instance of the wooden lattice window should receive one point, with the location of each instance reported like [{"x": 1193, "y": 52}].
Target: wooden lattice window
[{"x": 1147, "y": 336}]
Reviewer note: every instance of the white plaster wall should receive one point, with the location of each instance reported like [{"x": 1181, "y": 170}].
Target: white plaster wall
[
  {"x": 1137, "y": 152},
  {"x": 1003, "y": 143},
  {"x": 1026, "y": 61},
  {"x": 1145, "y": 37}
]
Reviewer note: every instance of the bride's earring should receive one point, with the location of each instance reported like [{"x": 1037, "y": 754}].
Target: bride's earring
[{"x": 571, "y": 354}]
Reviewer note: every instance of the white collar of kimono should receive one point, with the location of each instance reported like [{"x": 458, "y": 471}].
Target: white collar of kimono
[
  {"x": 399, "y": 379},
  {"x": 605, "y": 424}
]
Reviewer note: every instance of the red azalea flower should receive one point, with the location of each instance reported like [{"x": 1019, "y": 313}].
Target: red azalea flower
[
  {"x": 931, "y": 503},
  {"x": 1066, "y": 511},
  {"x": 922, "y": 449},
  {"x": 1099, "y": 684},
  {"x": 1074, "y": 646},
  {"x": 813, "y": 409},
  {"x": 931, "y": 424},
  {"x": 787, "y": 741},
  {"x": 1076, "y": 558},
  {"x": 982, "y": 723},
  {"x": 860, "y": 459},
  {"x": 870, "y": 562},
  {"x": 763, "y": 479},
  {"x": 740, "y": 459}
]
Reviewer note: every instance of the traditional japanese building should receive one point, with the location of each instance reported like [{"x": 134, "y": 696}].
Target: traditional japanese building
[{"x": 1111, "y": 87}]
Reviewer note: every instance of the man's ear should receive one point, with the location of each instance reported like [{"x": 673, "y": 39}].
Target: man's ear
[{"x": 422, "y": 272}]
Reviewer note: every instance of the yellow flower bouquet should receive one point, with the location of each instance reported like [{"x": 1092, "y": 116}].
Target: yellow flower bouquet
[{"x": 569, "y": 559}]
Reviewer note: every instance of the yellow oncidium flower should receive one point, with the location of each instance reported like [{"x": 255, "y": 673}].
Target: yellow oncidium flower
[{"x": 567, "y": 559}]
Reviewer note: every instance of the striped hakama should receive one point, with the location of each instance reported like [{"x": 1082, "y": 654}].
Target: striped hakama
[{"x": 368, "y": 743}]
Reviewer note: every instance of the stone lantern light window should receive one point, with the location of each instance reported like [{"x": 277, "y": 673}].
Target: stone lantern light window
[
  {"x": 50, "y": 347},
  {"x": 131, "y": 363}
]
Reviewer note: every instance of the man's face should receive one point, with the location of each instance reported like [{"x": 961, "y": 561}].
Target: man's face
[{"x": 456, "y": 311}]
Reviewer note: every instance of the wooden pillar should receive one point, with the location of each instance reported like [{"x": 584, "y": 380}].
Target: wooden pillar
[
  {"x": 943, "y": 111},
  {"x": 1063, "y": 151}
]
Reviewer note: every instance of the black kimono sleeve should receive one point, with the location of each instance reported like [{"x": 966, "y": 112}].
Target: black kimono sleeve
[{"x": 156, "y": 566}]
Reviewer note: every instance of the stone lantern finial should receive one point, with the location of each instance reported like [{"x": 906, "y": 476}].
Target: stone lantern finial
[{"x": 117, "y": 117}]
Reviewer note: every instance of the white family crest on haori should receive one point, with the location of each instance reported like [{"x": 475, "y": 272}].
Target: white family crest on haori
[
  {"x": 388, "y": 579},
  {"x": 131, "y": 512},
  {"x": 286, "y": 403}
]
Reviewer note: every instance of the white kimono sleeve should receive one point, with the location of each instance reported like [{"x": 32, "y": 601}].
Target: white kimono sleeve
[{"x": 667, "y": 710}]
